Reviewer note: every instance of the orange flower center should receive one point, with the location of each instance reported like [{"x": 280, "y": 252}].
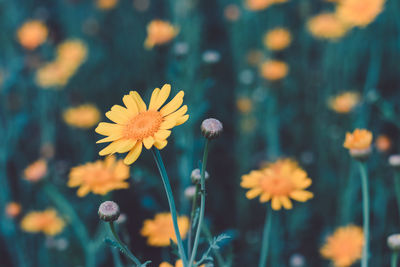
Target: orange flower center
[
  {"x": 143, "y": 125},
  {"x": 277, "y": 185}
]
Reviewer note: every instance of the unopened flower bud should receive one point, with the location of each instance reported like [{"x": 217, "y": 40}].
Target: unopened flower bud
[
  {"x": 121, "y": 219},
  {"x": 360, "y": 154},
  {"x": 393, "y": 242},
  {"x": 190, "y": 192},
  {"x": 196, "y": 176},
  {"x": 211, "y": 128},
  {"x": 394, "y": 161},
  {"x": 109, "y": 211}
]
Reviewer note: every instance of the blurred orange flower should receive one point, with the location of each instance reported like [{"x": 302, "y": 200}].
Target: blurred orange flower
[
  {"x": 360, "y": 139},
  {"x": 46, "y": 221},
  {"x": 160, "y": 230},
  {"x": 277, "y": 39},
  {"x": 344, "y": 102},
  {"x": 159, "y": 32},
  {"x": 178, "y": 263},
  {"x": 99, "y": 177},
  {"x": 326, "y": 26},
  {"x": 359, "y": 12},
  {"x": 106, "y": 4},
  {"x": 344, "y": 247},
  {"x": 32, "y": 34},
  {"x": 256, "y": 5},
  {"x": 383, "y": 143},
  {"x": 36, "y": 171},
  {"x": 278, "y": 182},
  {"x": 274, "y": 70},
  {"x": 83, "y": 116},
  {"x": 13, "y": 209},
  {"x": 244, "y": 104},
  {"x": 136, "y": 125}
]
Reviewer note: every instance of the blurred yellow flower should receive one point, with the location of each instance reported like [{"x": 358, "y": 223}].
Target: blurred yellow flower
[
  {"x": 99, "y": 177},
  {"x": 360, "y": 139},
  {"x": 137, "y": 125},
  {"x": 256, "y": 5},
  {"x": 106, "y": 4},
  {"x": 70, "y": 55},
  {"x": 244, "y": 104},
  {"x": 277, "y": 39},
  {"x": 274, "y": 70},
  {"x": 36, "y": 171},
  {"x": 32, "y": 34},
  {"x": 383, "y": 143},
  {"x": 46, "y": 221},
  {"x": 344, "y": 102},
  {"x": 13, "y": 209},
  {"x": 178, "y": 263},
  {"x": 359, "y": 12},
  {"x": 278, "y": 182},
  {"x": 344, "y": 246},
  {"x": 159, "y": 32},
  {"x": 160, "y": 230},
  {"x": 83, "y": 116},
  {"x": 326, "y": 26}
]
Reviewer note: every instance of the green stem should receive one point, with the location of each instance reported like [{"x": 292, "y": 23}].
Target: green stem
[
  {"x": 365, "y": 194},
  {"x": 192, "y": 223},
  {"x": 171, "y": 202},
  {"x": 397, "y": 188},
  {"x": 77, "y": 224},
  {"x": 218, "y": 255},
  {"x": 126, "y": 251},
  {"x": 202, "y": 203},
  {"x": 395, "y": 256},
  {"x": 265, "y": 240}
]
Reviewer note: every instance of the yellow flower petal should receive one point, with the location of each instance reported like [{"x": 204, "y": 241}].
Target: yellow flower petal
[
  {"x": 133, "y": 154},
  {"x": 265, "y": 197},
  {"x": 287, "y": 204},
  {"x": 301, "y": 195},
  {"x": 153, "y": 99},
  {"x": 148, "y": 142},
  {"x": 168, "y": 124},
  {"x": 253, "y": 193},
  {"x": 163, "y": 96},
  {"x": 182, "y": 120},
  {"x": 139, "y": 101},
  {"x": 173, "y": 105},
  {"x": 162, "y": 134},
  {"x": 105, "y": 128},
  {"x": 160, "y": 144},
  {"x": 130, "y": 103},
  {"x": 275, "y": 203}
]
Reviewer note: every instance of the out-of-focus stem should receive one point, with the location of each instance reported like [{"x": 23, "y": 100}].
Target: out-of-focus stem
[
  {"x": 365, "y": 194},
  {"x": 397, "y": 188},
  {"x": 171, "y": 202},
  {"x": 218, "y": 256},
  {"x": 265, "y": 240},
  {"x": 395, "y": 256},
  {"x": 202, "y": 203},
  {"x": 192, "y": 222}
]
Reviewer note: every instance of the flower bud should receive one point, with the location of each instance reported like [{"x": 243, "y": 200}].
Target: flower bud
[
  {"x": 211, "y": 128},
  {"x": 109, "y": 211},
  {"x": 393, "y": 242},
  {"x": 196, "y": 176},
  {"x": 394, "y": 161},
  {"x": 190, "y": 192},
  {"x": 360, "y": 154}
]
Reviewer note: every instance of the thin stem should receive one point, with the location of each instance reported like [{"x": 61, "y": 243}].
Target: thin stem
[
  {"x": 125, "y": 249},
  {"x": 365, "y": 194},
  {"x": 395, "y": 256},
  {"x": 397, "y": 188},
  {"x": 265, "y": 240},
  {"x": 171, "y": 202},
  {"x": 202, "y": 202},
  {"x": 192, "y": 223},
  {"x": 217, "y": 253}
]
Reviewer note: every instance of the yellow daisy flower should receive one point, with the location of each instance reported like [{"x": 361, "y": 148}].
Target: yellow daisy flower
[
  {"x": 83, "y": 116},
  {"x": 47, "y": 222},
  {"x": 136, "y": 125},
  {"x": 344, "y": 247},
  {"x": 359, "y": 12},
  {"x": 278, "y": 182},
  {"x": 327, "y": 26},
  {"x": 99, "y": 177},
  {"x": 360, "y": 139},
  {"x": 274, "y": 70},
  {"x": 160, "y": 230}
]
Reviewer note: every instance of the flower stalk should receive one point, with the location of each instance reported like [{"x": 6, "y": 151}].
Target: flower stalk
[
  {"x": 395, "y": 256},
  {"x": 265, "y": 240},
  {"x": 365, "y": 194},
  {"x": 397, "y": 188},
  {"x": 192, "y": 222},
  {"x": 171, "y": 202},
  {"x": 202, "y": 202}
]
